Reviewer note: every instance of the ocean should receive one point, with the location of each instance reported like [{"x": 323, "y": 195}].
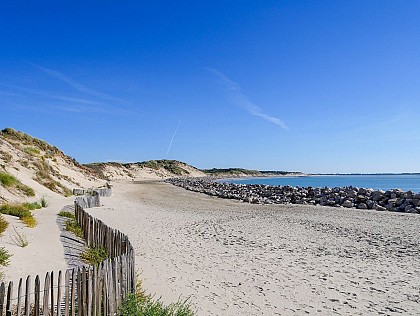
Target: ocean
[{"x": 382, "y": 182}]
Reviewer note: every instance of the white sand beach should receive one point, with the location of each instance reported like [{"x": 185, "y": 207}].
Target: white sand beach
[{"x": 233, "y": 258}]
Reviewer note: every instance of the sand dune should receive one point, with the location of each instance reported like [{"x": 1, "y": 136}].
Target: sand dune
[{"x": 233, "y": 258}]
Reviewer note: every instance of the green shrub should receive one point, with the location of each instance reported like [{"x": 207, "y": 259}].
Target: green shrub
[
  {"x": 94, "y": 255},
  {"x": 7, "y": 180},
  {"x": 28, "y": 191},
  {"x": 31, "y": 151},
  {"x": 74, "y": 227},
  {"x": 21, "y": 211},
  {"x": 67, "y": 214},
  {"x": 32, "y": 206},
  {"x": 3, "y": 225},
  {"x": 4, "y": 257},
  {"x": 29, "y": 221},
  {"x": 44, "y": 202},
  {"x": 134, "y": 306},
  {"x": 18, "y": 210}
]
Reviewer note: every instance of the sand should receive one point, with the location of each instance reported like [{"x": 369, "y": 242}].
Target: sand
[{"x": 233, "y": 258}]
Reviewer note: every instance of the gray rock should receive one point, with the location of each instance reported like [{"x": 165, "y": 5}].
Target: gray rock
[
  {"x": 347, "y": 204},
  {"x": 362, "y": 206},
  {"x": 380, "y": 208}
]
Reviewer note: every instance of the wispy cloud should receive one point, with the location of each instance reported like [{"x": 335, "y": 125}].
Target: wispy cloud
[
  {"x": 237, "y": 97},
  {"x": 50, "y": 95},
  {"x": 172, "y": 139},
  {"x": 75, "y": 84}
]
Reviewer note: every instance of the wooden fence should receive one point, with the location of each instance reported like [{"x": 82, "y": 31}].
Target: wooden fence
[
  {"x": 87, "y": 291},
  {"x": 88, "y": 201},
  {"x": 100, "y": 191}
]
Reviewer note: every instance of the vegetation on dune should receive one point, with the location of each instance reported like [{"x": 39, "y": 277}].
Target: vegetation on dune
[
  {"x": 19, "y": 239},
  {"x": 172, "y": 166},
  {"x": 43, "y": 176},
  {"x": 7, "y": 157},
  {"x": 32, "y": 206},
  {"x": 44, "y": 202},
  {"x": 67, "y": 214},
  {"x": 11, "y": 134},
  {"x": 94, "y": 255},
  {"x": 3, "y": 225},
  {"x": 9, "y": 181},
  {"x": 32, "y": 151},
  {"x": 139, "y": 306},
  {"x": 4, "y": 257},
  {"x": 21, "y": 211},
  {"x": 230, "y": 171},
  {"x": 72, "y": 226}
]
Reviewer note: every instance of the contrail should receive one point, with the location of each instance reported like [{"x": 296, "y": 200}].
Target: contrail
[
  {"x": 73, "y": 83},
  {"x": 172, "y": 139},
  {"x": 236, "y": 96}
]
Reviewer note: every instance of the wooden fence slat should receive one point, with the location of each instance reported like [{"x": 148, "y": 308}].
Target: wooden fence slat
[
  {"x": 45, "y": 300},
  {"x": 67, "y": 294},
  {"x": 19, "y": 298},
  {"x": 9, "y": 297},
  {"x": 59, "y": 284},
  {"x": 89, "y": 278},
  {"x": 73, "y": 293},
  {"x": 52, "y": 293},
  {"x": 37, "y": 295},
  {"x": 83, "y": 311},
  {"x": 28, "y": 296},
  {"x": 2, "y": 294},
  {"x": 79, "y": 292}
]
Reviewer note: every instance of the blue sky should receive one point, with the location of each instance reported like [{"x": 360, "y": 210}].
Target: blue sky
[{"x": 313, "y": 86}]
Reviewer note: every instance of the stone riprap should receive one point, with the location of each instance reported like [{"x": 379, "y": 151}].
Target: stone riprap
[{"x": 395, "y": 200}]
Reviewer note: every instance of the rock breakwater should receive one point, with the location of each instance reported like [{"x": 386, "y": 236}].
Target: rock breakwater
[{"x": 395, "y": 200}]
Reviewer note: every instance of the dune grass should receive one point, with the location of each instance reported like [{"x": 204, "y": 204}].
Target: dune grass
[
  {"x": 94, "y": 255},
  {"x": 21, "y": 211},
  {"x": 19, "y": 239},
  {"x": 74, "y": 227},
  {"x": 4, "y": 257},
  {"x": 138, "y": 306},
  {"x": 67, "y": 214},
  {"x": 3, "y": 225},
  {"x": 9, "y": 181}
]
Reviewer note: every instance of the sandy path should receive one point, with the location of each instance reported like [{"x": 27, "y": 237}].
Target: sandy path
[
  {"x": 45, "y": 252},
  {"x": 235, "y": 258}
]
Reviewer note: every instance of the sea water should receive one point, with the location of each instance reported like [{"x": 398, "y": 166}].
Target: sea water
[{"x": 383, "y": 182}]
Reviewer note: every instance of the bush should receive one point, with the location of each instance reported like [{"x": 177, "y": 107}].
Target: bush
[
  {"x": 44, "y": 202},
  {"x": 28, "y": 191},
  {"x": 21, "y": 211},
  {"x": 32, "y": 206},
  {"x": 31, "y": 151},
  {"x": 72, "y": 226},
  {"x": 7, "y": 180},
  {"x": 134, "y": 306},
  {"x": 67, "y": 214},
  {"x": 29, "y": 221},
  {"x": 18, "y": 210},
  {"x": 94, "y": 255},
  {"x": 3, "y": 225},
  {"x": 4, "y": 257}
]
